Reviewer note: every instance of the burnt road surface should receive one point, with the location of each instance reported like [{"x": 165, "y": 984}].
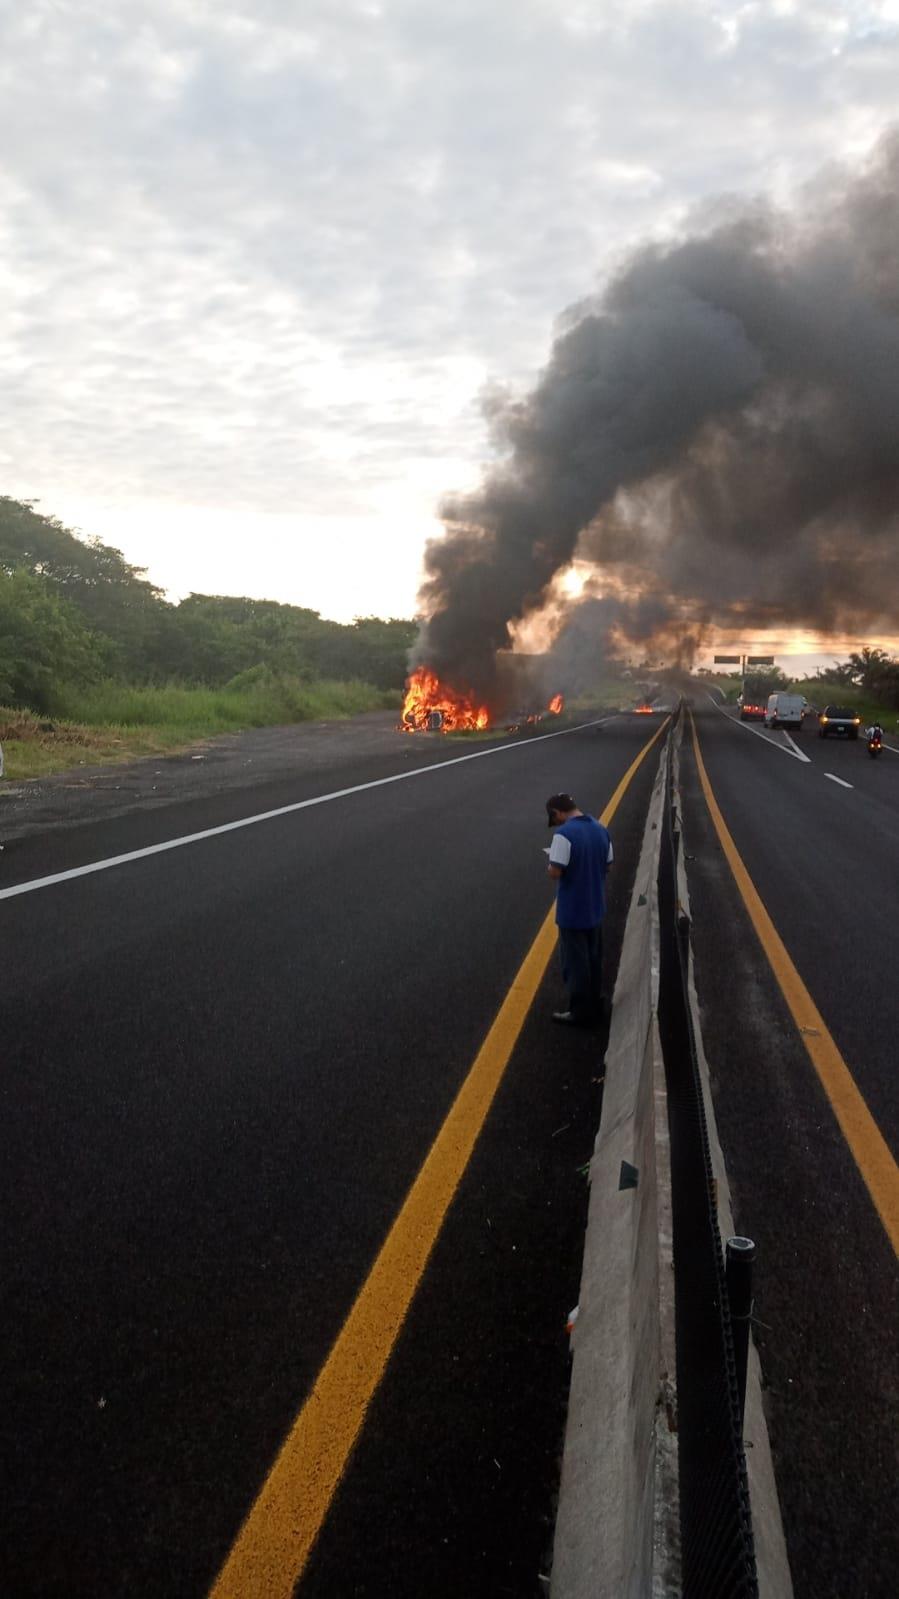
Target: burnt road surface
[
  {"x": 224, "y": 1065},
  {"x": 824, "y": 855}
]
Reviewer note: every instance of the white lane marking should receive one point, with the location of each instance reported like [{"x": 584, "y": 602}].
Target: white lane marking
[
  {"x": 35, "y": 883},
  {"x": 772, "y": 744},
  {"x": 842, "y": 782},
  {"x": 795, "y": 747},
  {"x": 794, "y": 751}
]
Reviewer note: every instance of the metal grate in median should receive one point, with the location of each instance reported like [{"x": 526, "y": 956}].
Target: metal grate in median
[{"x": 716, "y": 1525}]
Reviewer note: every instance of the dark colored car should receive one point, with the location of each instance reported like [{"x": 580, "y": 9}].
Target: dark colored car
[
  {"x": 838, "y": 722},
  {"x": 753, "y": 697}
]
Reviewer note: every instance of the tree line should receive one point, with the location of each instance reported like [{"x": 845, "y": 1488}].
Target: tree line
[
  {"x": 870, "y": 669},
  {"x": 73, "y": 611}
]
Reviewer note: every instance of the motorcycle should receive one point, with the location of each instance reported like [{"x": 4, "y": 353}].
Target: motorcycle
[{"x": 875, "y": 742}]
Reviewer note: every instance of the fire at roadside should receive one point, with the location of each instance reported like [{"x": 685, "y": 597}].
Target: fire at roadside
[{"x": 432, "y": 706}]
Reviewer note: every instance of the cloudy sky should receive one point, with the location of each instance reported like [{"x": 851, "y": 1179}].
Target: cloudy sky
[{"x": 260, "y": 262}]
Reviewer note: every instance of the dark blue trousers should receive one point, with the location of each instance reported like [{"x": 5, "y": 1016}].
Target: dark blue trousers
[{"x": 581, "y": 951}]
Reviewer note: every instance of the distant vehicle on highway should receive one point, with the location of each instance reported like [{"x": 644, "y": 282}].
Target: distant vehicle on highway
[
  {"x": 785, "y": 710},
  {"x": 836, "y": 721},
  {"x": 753, "y": 697}
]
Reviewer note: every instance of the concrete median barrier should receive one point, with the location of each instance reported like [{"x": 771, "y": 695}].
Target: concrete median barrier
[
  {"x": 618, "y": 1522},
  {"x": 774, "y": 1579}
]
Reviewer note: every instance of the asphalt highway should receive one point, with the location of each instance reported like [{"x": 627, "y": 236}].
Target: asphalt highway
[
  {"x": 824, "y": 856},
  {"x": 224, "y": 1065}
]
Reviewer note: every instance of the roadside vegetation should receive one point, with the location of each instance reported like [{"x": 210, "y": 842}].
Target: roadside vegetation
[
  {"x": 610, "y": 691},
  {"x": 96, "y": 664},
  {"x": 115, "y": 722}
]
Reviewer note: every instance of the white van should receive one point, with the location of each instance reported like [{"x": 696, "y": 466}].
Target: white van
[{"x": 785, "y": 710}]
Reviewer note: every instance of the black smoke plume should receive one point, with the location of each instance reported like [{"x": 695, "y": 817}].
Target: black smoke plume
[{"x": 718, "y": 434}]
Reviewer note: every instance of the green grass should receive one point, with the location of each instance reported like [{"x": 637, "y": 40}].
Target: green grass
[
  {"x": 605, "y": 693},
  {"x": 117, "y": 722},
  {"x": 248, "y": 701},
  {"x": 729, "y": 686},
  {"x": 36, "y": 746},
  {"x": 853, "y": 698}
]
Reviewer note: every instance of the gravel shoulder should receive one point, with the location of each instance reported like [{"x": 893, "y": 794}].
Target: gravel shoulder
[{"x": 230, "y": 761}]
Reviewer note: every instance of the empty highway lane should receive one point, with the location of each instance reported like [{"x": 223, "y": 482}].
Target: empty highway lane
[
  {"x": 225, "y": 1064},
  {"x": 800, "y": 1021}
]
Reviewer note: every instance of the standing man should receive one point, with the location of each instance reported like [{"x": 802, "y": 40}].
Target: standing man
[{"x": 579, "y": 858}]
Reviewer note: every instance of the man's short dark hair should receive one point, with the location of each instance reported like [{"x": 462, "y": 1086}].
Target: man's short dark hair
[{"x": 558, "y": 802}]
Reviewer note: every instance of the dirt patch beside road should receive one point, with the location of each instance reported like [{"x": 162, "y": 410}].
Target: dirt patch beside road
[{"x": 228, "y": 762}]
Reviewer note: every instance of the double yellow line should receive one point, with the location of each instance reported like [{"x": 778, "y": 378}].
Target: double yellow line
[
  {"x": 278, "y": 1535},
  {"x": 870, "y": 1151}
]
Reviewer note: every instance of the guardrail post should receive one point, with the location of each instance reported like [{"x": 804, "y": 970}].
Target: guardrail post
[{"x": 738, "y": 1258}]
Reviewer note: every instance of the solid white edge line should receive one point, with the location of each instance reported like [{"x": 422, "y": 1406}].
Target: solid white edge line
[
  {"x": 33, "y": 884},
  {"x": 797, "y": 754},
  {"x": 841, "y": 780},
  {"x": 800, "y": 756}
]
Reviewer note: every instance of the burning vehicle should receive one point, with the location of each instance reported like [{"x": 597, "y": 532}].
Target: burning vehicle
[{"x": 431, "y": 705}]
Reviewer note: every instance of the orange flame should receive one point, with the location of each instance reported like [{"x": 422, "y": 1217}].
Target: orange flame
[
  {"x": 425, "y": 693},
  {"x": 556, "y": 704}
]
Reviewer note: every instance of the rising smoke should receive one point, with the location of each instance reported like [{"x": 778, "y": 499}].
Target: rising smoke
[{"x": 718, "y": 434}]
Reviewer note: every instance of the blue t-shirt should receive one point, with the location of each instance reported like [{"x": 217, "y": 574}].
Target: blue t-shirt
[{"x": 583, "y": 848}]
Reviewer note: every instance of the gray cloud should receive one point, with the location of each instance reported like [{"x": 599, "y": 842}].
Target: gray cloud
[{"x": 257, "y": 257}]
